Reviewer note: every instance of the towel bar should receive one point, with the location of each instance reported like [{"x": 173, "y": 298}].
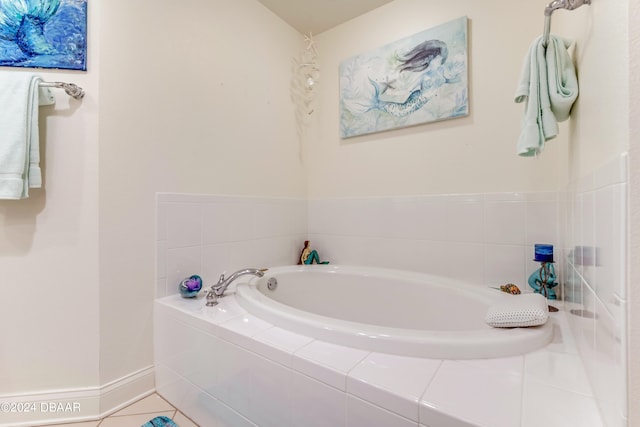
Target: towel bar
[{"x": 71, "y": 89}]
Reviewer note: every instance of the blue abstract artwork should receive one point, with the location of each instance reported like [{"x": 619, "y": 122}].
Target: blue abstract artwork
[
  {"x": 419, "y": 79},
  {"x": 43, "y": 34}
]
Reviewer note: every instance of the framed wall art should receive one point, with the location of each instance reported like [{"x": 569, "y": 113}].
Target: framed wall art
[
  {"x": 43, "y": 34},
  {"x": 419, "y": 79}
]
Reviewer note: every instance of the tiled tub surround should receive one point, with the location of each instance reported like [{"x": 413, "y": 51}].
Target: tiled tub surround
[
  {"x": 224, "y": 367},
  {"x": 595, "y": 215},
  {"x": 209, "y": 234},
  {"x": 491, "y": 235},
  {"x": 478, "y": 238}
]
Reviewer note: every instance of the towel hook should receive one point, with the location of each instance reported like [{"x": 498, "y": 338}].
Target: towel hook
[{"x": 552, "y": 7}]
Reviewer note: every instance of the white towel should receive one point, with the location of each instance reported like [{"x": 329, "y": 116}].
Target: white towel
[
  {"x": 20, "y": 96},
  {"x": 548, "y": 86}
]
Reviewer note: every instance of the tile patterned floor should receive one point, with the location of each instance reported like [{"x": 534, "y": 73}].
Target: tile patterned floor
[{"x": 138, "y": 413}]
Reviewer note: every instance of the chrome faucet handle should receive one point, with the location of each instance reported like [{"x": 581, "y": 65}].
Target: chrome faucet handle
[
  {"x": 212, "y": 299},
  {"x": 222, "y": 285}
]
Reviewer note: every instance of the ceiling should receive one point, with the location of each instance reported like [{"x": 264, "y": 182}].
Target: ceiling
[{"x": 316, "y": 16}]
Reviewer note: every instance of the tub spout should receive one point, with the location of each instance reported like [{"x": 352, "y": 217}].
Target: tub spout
[{"x": 217, "y": 290}]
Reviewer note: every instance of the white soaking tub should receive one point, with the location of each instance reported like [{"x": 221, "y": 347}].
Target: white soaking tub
[
  {"x": 388, "y": 311},
  {"x": 225, "y": 366}
]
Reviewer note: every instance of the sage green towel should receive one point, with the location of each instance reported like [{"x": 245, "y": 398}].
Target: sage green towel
[
  {"x": 548, "y": 86},
  {"x": 563, "y": 82},
  {"x": 20, "y": 96}
]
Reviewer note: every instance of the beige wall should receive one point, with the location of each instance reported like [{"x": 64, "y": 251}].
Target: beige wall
[
  {"x": 599, "y": 129},
  {"x": 465, "y": 155},
  {"x": 195, "y": 99},
  {"x": 49, "y": 248},
  {"x": 196, "y": 102}
]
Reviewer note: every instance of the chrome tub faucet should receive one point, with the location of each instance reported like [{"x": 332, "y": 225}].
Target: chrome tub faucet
[{"x": 217, "y": 291}]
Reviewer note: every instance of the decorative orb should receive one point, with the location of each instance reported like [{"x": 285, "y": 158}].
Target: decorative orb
[{"x": 190, "y": 286}]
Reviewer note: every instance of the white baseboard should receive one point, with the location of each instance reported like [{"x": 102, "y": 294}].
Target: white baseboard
[
  {"x": 75, "y": 405},
  {"x": 126, "y": 390}
]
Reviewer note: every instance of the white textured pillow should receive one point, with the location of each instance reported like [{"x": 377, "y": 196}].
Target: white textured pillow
[{"x": 519, "y": 311}]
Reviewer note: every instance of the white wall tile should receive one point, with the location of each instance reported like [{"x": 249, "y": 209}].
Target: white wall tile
[
  {"x": 161, "y": 259},
  {"x": 505, "y": 264},
  {"x": 315, "y": 404},
  {"x": 161, "y": 220},
  {"x": 398, "y": 382},
  {"x": 577, "y": 220},
  {"x": 217, "y": 220},
  {"x": 541, "y": 222},
  {"x": 278, "y": 344},
  {"x": 320, "y": 216},
  {"x": 328, "y": 362},
  {"x": 573, "y": 287},
  {"x": 182, "y": 263},
  {"x": 574, "y": 409},
  {"x": 467, "y": 392},
  {"x": 184, "y": 224},
  {"x": 215, "y": 261},
  {"x": 451, "y": 256},
  {"x": 505, "y": 222},
  {"x": 243, "y": 225},
  {"x": 161, "y": 288},
  {"x": 619, "y": 237},
  {"x": 465, "y": 220},
  {"x": 431, "y": 216},
  {"x": 609, "y": 376},
  {"x": 364, "y": 414},
  {"x": 234, "y": 380},
  {"x": 270, "y": 393},
  {"x": 562, "y": 370},
  {"x": 597, "y": 222},
  {"x": 412, "y": 218},
  {"x": 588, "y": 241},
  {"x": 435, "y": 234},
  {"x": 607, "y": 269}
]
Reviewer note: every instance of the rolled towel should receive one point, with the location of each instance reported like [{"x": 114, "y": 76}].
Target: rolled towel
[{"x": 518, "y": 311}]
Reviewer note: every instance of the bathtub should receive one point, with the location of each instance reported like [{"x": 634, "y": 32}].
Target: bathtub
[
  {"x": 388, "y": 311},
  {"x": 232, "y": 365}
]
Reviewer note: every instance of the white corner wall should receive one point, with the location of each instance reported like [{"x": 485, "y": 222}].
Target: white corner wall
[
  {"x": 598, "y": 214},
  {"x": 195, "y": 100}
]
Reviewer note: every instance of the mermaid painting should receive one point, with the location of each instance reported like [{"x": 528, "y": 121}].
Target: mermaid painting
[{"x": 400, "y": 87}]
